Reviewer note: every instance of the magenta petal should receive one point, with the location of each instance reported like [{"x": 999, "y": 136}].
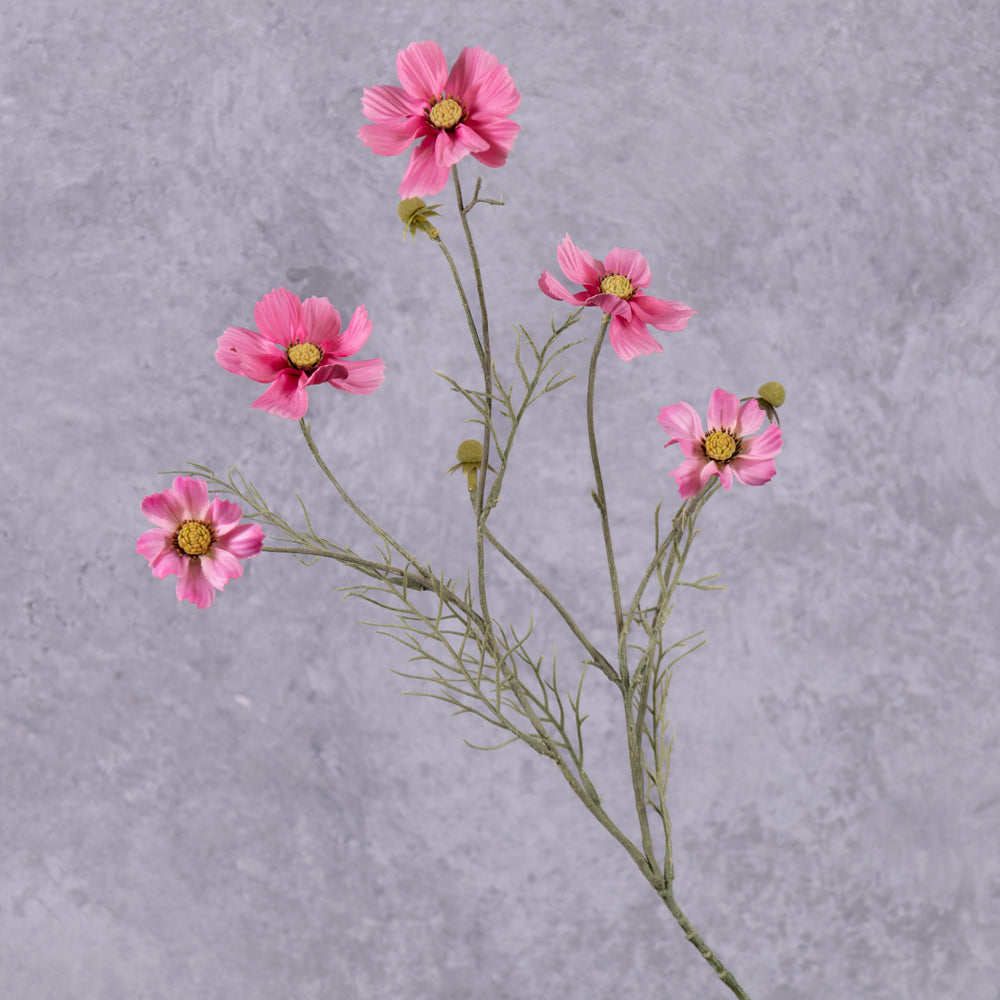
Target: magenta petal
[
  {"x": 723, "y": 409},
  {"x": 223, "y": 515},
  {"x": 169, "y": 563},
  {"x": 321, "y": 320},
  {"x": 466, "y": 140},
  {"x": 553, "y": 289},
  {"x": 388, "y": 105},
  {"x": 661, "y": 313},
  {"x": 681, "y": 422},
  {"x": 631, "y": 263},
  {"x": 423, "y": 174},
  {"x": 500, "y": 134},
  {"x": 388, "y": 139},
  {"x": 631, "y": 339},
  {"x": 578, "y": 265},
  {"x": 361, "y": 377},
  {"x": 471, "y": 68},
  {"x": 353, "y": 338},
  {"x": 285, "y": 397},
  {"x": 244, "y": 352},
  {"x": 422, "y": 70},
  {"x": 495, "y": 94},
  {"x": 612, "y": 305},
  {"x": 278, "y": 315}
]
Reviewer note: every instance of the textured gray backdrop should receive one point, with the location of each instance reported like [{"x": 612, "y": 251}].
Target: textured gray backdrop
[{"x": 239, "y": 804}]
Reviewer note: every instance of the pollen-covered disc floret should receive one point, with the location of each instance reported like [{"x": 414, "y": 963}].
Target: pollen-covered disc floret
[
  {"x": 304, "y": 356},
  {"x": 193, "y": 538},
  {"x": 616, "y": 285},
  {"x": 720, "y": 446},
  {"x": 731, "y": 448},
  {"x": 198, "y": 541},
  {"x": 300, "y": 344},
  {"x": 448, "y": 114}
]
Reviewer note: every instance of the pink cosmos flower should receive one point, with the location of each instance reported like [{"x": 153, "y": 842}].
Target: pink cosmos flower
[
  {"x": 464, "y": 111},
  {"x": 727, "y": 449},
  {"x": 615, "y": 286},
  {"x": 299, "y": 345},
  {"x": 201, "y": 543}
]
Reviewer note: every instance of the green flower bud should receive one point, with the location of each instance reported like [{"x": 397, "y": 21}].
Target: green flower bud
[
  {"x": 470, "y": 456},
  {"x": 772, "y": 393},
  {"x": 414, "y": 214}
]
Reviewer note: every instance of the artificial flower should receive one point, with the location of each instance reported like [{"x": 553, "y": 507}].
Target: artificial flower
[
  {"x": 728, "y": 449},
  {"x": 452, "y": 114},
  {"x": 300, "y": 344},
  {"x": 615, "y": 285},
  {"x": 199, "y": 542}
]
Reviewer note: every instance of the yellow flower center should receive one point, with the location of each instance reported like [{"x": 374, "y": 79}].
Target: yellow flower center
[
  {"x": 445, "y": 114},
  {"x": 720, "y": 446},
  {"x": 193, "y": 538},
  {"x": 304, "y": 356},
  {"x": 617, "y": 284}
]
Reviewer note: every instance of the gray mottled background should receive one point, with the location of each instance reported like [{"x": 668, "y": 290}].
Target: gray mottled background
[{"x": 239, "y": 804}]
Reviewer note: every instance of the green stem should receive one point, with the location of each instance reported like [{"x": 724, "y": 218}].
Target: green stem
[{"x": 602, "y": 504}]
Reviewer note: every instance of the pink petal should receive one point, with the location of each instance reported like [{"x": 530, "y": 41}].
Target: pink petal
[
  {"x": 192, "y": 585},
  {"x": 461, "y": 142},
  {"x": 749, "y": 419},
  {"x": 193, "y": 496},
  {"x": 494, "y": 93},
  {"x": 553, "y": 289},
  {"x": 423, "y": 174},
  {"x": 612, "y": 305},
  {"x": 285, "y": 396},
  {"x": 687, "y": 475},
  {"x": 753, "y": 471},
  {"x": 724, "y": 472},
  {"x": 422, "y": 70},
  {"x": 220, "y": 566},
  {"x": 321, "y": 320},
  {"x": 362, "y": 377},
  {"x": 223, "y": 515},
  {"x": 631, "y": 339},
  {"x": 278, "y": 315},
  {"x": 578, "y": 265},
  {"x": 471, "y": 69},
  {"x": 165, "y": 510},
  {"x": 244, "y": 541},
  {"x": 244, "y": 352},
  {"x": 661, "y": 313},
  {"x": 386, "y": 139},
  {"x": 169, "y": 563},
  {"x": 765, "y": 445},
  {"x": 682, "y": 422},
  {"x": 388, "y": 105},
  {"x": 500, "y": 134},
  {"x": 151, "y": 543},
  {"x": 723, "y": 409},
  {"x": 631, "y": 263},
  {"x": 353, "y": 338}
]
